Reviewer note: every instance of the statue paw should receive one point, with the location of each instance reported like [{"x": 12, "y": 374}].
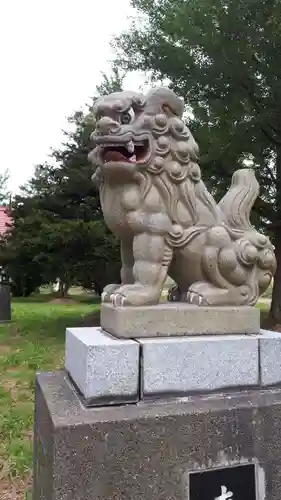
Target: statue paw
[
  {"x": 107, "y": 292},
  {"x": 196, "y": 299},
  {"x": 134, "y": 295},
  {"x": 118, "y": 300},
  {"x": 205, "y": 294}
]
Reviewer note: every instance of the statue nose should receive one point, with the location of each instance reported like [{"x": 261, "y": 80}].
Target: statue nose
[{"x": 106, "y": 126}]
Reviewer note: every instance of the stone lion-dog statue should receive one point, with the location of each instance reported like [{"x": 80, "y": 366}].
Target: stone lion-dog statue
[{"x": 154, "y": 200}]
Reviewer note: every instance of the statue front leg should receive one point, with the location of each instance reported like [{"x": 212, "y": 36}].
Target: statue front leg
[
  {"x": 127, "y": 257},
  {"x": 127, "y": 276},
  {"x": 152, "y": 257}
]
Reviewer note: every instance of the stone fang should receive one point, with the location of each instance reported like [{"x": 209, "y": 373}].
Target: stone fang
[{"x": 130, "y": 147}]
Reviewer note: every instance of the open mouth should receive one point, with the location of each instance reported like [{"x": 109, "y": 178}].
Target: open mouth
[{"x": 131, "y": 152}]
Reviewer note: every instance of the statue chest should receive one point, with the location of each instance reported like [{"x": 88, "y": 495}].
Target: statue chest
[{"x": 117, "y": 202}]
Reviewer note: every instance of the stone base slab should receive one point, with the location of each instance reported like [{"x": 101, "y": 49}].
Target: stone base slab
[
  {"x": 177, "y": 366},
  {"x": 145, "y": 451},
  {"x": 108, "y": 370},
  {"x": 105, "y": 369},
  {"x": 178, "y": 319}
]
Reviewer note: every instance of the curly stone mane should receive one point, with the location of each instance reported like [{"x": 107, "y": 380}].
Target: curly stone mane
[{"x": 175, "y": 171}]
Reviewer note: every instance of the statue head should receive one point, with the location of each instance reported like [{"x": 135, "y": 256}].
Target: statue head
[{"x": 135, "y": 133}]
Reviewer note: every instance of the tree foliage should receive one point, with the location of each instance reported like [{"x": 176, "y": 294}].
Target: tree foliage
[
  {"x": 4, "y": 192},
  {"x": 58, "y": 229},
  {"x": 223, "y": 58}
]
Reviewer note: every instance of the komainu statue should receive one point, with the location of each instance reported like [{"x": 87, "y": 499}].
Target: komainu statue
[{"x": 154, "y": 199}]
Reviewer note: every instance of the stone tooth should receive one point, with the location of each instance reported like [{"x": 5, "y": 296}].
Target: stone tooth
[{"x": 130, "y": 146}]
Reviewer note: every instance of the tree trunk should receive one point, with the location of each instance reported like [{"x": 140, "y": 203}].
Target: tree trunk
[
  {"x": 275, "y": 310},
  {"x": 98, "y": 286},
  {"x": 63, "y": 289}
]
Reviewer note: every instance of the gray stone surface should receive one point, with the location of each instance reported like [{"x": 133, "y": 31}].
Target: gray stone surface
[
  {"x": 175, "y": 319},
  {"x": 109, "y": 370},
  {"x": 270, "y": 358},
  {"x": 105, "y": 369},
  {"x": 146, "y": 451},
  {"x": 186, "y": 364}
]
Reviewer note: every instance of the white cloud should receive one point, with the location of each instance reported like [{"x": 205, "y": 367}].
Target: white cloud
[{"x": 51, "y": 58}]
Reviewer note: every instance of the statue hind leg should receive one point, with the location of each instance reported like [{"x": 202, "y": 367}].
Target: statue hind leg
[
  {"x": 227, "y": 282},
  {"x": 237, "y": 261},
  {"x": 234, "y": 268},
  {"x": 236, "y": 275}
]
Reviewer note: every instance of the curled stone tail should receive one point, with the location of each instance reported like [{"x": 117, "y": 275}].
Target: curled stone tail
[{"x": 236, "y": 205}]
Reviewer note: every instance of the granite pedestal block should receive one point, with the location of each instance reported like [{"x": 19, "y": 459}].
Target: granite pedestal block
[
  {"x": 187, "y": 364},
  {"x": 178, "y": 319},
  {"x": 109, "y": 370},
  {"x": 270, "y": 358},
  {"x": 152, "y": 450},
  {"x": 104, "y": 369},
  {"x": 210, "y": 363}
]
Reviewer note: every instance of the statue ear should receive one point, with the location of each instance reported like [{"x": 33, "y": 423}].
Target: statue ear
[{"x": 164, "y": 98}]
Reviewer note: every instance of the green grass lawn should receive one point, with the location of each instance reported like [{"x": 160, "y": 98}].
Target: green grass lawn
[{"x": 34, "y": 341}]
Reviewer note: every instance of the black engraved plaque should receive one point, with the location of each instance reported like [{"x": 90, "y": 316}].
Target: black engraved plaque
[{"x": 230, "y": 483}]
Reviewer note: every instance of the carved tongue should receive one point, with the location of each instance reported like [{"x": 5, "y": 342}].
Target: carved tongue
[{"x": 114, "y": 156}]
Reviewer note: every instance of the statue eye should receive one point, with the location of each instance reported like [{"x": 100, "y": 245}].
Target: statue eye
[{"x": 127, "y": 117}]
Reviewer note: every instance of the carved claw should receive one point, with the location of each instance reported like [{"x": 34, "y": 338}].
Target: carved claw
[
  {"x": 133, "y": 295},
  {"x": 107, "y": 292},
  {"x": 117, "y": 300},
  {"x": 112, "y": 299},
  {"x": 195, "y": 299},
  {"x": 208, "y": 294}
]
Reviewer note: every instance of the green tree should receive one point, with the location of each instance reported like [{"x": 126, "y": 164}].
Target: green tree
[
  {"x": 5, "y": 195},
  {"x": 223, "y": 58},
  {"x": 21, "y": 246},
  {"x": 111, "y": 83},
  {"x": 58, "y": 229}
]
